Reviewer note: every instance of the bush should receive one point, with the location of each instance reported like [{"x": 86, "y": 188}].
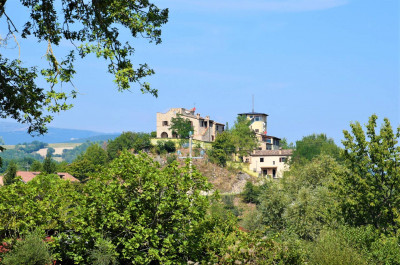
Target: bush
[
  {"x": 331, "y": 249},
  {"x": 171, "y": 158},
  {"x": 250, "y": 193},
  {"x": 169, "y": 146},
  {"x": 30, "y": 251}
]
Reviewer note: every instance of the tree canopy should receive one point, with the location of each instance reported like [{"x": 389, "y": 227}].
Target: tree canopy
[
  {"x": 244, "y": 137},
  {"x": 313, "y": 145},
  {"x": 370, "y": 188},
  {"x": 181, "y": 126},
  {"x": 93, "y": 27}
]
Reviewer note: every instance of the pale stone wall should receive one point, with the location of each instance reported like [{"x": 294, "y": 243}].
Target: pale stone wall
[{"x": 204, "y": 129}]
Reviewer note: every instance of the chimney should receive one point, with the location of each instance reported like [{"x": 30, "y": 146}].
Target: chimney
[{"x": 198, "y": 115}]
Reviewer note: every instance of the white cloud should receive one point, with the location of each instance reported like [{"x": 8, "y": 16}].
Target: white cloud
[{"x": 256, "y": 5}]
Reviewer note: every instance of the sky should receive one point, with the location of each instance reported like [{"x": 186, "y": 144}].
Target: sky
[{"x": 314, "y": 66}]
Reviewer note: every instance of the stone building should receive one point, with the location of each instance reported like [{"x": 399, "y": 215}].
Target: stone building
[
  {"x": 204, "y": 129},
  {"x": 270, "y": 162}
]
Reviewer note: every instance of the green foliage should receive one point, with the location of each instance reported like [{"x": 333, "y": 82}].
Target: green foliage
[
  {"x": 228, "y": 202},
  {"x": 181, "y": 126},
  {"x": 222, "y": 148},
  {"x": 273, "y": 203},
  {"x": 303, "y": 202},
  {"x": 93, "y": 28},
  {"x": 313, "y": 145},
  {"x": 31, "y": 147},
  {"x": 49, "y": 165},
  {"x": 369, "y": 190},
  {"x": 36, "y": 166},
  {"x": 50, "y": 151},
  {"x": 11, "y": 174},
  {"x": 127, "y": 141},
  {"x": 171, "y": 158},
  {"x": 146, "y": 211},
  {"x": 244, "y": 138},
  {"x": 251, "y": 193},
  {"x": 153, "y": 134},
  {"x": 163, "y": 147},
  {"x": 32, "y": 250},
  {"x": 90, "y": 162},
  {"x": 18, "y": 156},
  {"x": 331, "y": 249},
  {"x": 285, "y": 145},
  {"x": 69, "y": 155},
  {"x": 104, "y": 253}
]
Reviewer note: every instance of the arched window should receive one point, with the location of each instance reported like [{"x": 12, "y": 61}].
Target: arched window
[{"x": 164, "y": 135}]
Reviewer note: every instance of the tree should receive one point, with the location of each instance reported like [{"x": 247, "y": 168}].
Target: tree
[
  {"x": 244, "y": 137},
  {"x": 93, "y": 27},
  {"x": 148, "y": 213},
  {"x": 222, "y": 148},
  {"x": 36, "y": 166},
  {"x": 285, "y": 145},
  {"x": 313, "y": 145},
  {"x": 128, "y": 141},
  {"x": 11, "y": 174},
  {"x": 49, "y": 166},
  {"x": 90, "y": 162},
  {"x": 370, "y": 188},
  {"x": 181, "y": 126}
]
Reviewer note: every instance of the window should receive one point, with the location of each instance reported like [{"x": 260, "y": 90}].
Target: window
[
  {"x": 269, "y": 140},
  {"x": 165, "y": 123},
  {"x": 257, "y": 118},
  {"x": 251, "y": 116},
  {"x": 282, "y": 159},
  {"x": 217, "y": 128},
  {"x": 256, "y": 130},
  {"x": 273, "y": 162},
  {"x": 261, "y": 159},
  {"x": 269, "y": 147}
]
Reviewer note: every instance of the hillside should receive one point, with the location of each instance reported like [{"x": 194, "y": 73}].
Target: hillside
[{"x": 14, "y": 133}]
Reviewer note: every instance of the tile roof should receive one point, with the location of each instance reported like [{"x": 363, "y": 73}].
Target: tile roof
[
  {"x": 29, "y": 175},
  {"x": 285, "y": 152}
]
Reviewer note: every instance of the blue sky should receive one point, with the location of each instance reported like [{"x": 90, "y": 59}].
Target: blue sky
[{"x": 313, "y": 66}]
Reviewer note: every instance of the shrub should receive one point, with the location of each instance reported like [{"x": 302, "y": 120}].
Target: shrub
[
  {"x": 250, "y": 193},
  {"x": 30, "y": 251}
]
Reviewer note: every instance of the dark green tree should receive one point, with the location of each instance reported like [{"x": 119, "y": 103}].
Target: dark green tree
[
  {"x": 128, "y": 141},
  {"x": 49, "y": 165},
  {"x": 370, "y": 190},
  {"x": 222, "y": 148},
  {"x": 36, "y": 166},
  {"x": 93, "y": 27},
  {"x": 11, "y": 173},
  {"x": 181, "y": 126},
  {"x": 89, "y": 163}
]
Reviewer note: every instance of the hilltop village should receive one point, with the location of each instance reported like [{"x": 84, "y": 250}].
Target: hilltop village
[{"x": 267, "y": 159}]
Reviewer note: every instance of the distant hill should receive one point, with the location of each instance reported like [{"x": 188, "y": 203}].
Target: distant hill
[{"x": 14, "y": 133}]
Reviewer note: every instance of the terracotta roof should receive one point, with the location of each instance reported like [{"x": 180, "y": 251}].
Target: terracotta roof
[
  {"x": 29, "y": 175},
  {"x": 285, "y": 152}
]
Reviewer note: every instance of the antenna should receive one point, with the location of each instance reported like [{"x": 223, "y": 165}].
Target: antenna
[{"x": 252, "y": 102}]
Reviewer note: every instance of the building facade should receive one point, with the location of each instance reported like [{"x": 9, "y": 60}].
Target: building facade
[
  {"x": 270, "y": 162},
  {"x": 204, "y": 129}
]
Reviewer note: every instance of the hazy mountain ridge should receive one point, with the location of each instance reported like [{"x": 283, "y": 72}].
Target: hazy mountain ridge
[{"x": 14, "y": 133}]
